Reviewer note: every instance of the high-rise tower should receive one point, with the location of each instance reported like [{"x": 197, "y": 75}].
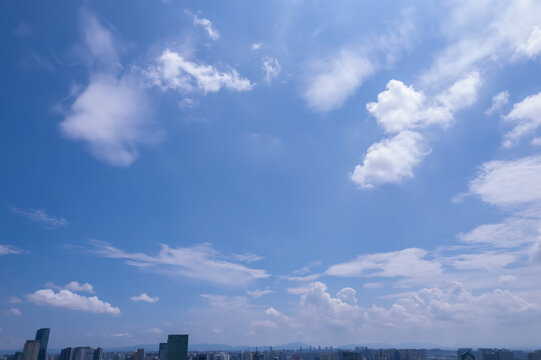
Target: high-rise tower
[
  {"x": 177, "y": 347},
  {"x": 42, "y": 335}
]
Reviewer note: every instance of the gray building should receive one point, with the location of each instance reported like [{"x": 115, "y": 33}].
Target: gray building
[
  {"x": 42, "y": 335},
  {"x": 83, "y": 353},
  {"x": 66, "y": 354},
  {"x": 31, "y": 350},
  {"x": 177, "y": 347}
]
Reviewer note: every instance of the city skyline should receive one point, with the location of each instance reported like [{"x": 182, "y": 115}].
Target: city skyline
[{"x": 290, "y": 171}]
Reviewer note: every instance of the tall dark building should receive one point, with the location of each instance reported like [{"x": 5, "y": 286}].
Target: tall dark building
[
  {"x": 66, "y": 354},
  {"x": 177, "y": 347},
  {"x": 162, "y": 351},
  {"x": 43, "y": 336},
  {"x": 98, "y": 354}
]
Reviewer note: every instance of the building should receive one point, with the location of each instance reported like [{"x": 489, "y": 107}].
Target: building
[
  {"x": 83, "y": 353},
  {"x": 66, "y": 354},
  {"x": 31, "y": 350},
  {"x": 42, "y": 335},
  {"x": 98, "y": 354},
  {"x": 162, "y": 353},
  {"x": 139, "y": 354},
  {"x": 177, "y": 347}
]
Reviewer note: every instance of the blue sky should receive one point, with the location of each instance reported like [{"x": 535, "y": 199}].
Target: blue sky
[{"x": 263, "y": 173}]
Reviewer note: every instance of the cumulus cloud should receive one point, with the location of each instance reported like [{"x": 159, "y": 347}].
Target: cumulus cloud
[
  {"x": 272, "y": 68},
  {"x": 8, "y": 249},
  {"x": 205, "y": 24},
  {"x": 41, "y": 217},
  {"x": 70, "y": 300},
  {"x": 200, "y": 262},
  {"x": 400, "y": 109},
  {"x": 498, "y": 101},
  {"x": 526, "y": 118},
  {"x": 173, "y": 71},
  {"x": 390, "y": 160},
  {"x": 410, "y": 262},
  {"x": 111, "y": 116},
  {"x": 99, "y": 40},
  {"x": 144, "y": 297},
  {"x": 74, "y": 286}
]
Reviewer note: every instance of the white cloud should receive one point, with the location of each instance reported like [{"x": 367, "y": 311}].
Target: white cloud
[
  {"x": 205, "y": 24},
  {"x": 483, "y": 261},
  {"x": 498, "y": 101},
  {"x": 410, "y": 262},
  {"x": 532, "y": 47},
  {"x": 390, "y": 160},
  {"x": 112, "y": 117},
  {"x": 74, "y": 286},
  {"x": 526, "y": 116},
  {"x": 8, "y": 249},
  {"x": 337, "y": 80},
  {"x": 200, "y": 262},
  {"x": 510, "y": 232},
  {"x": 477, "y": 41},
  {"x": 155, "y": 331},
  {"x": 247, "y": 257},
  {"x": 122, "y": 334},
  {"x": 69, "y": 300},
  {"x": 271, "y": 67},
  {"x": 99, "y": 40},
  {"x": 14, "y": 300},
  {"x": 535, "y": 253},
  {"x": 41, "y": 217},
  {"x": 257, "y": 46},
  {"x": 175, "y": 72},
  {"x": 373, "y": 285},
  {"x": 13, "y": 311},
  {"x": 144, "y": 297},
  {"x": 259, "y": 292},
  {"x": 399, "y": 110},
  {"x": 498, "y": 181}
]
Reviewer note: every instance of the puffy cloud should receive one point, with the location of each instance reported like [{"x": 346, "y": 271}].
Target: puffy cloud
[
  {"x": 112, "y": 117},
  {"x": 41, "y": 217},
  {"x": 144, "y": 297},
  {"x": 408, "y": 262},
  {"x": 390, "y": 160},
  {"x": 8, "y": 249},
  {"x": 205, "y": 24},
  {"x": 74, "y": 286},
  {"x": 498, "y": 101},
  {"x": 175, "y": 72},
  {"x": 200, "y": 262},
  {"x": 69, "y": 300},
  {"x": 258, "y": 293},
  {"x": 399, "y": 110},
  {"x": 526, "y": 116},
  {"x": 343, "y": 74},
  {"x": 271, "y": 67}
]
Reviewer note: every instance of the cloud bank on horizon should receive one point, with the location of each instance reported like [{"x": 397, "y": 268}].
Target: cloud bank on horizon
[{"x": 272, "y": 173}]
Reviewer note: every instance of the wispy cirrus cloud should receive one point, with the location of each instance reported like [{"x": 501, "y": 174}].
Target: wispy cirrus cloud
[
  {"x": 9, "y": 249},
  {"x": 205, "y": 24},
  {"x": 200, "y": 262},
  {"x": 41, "y": 217}
]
